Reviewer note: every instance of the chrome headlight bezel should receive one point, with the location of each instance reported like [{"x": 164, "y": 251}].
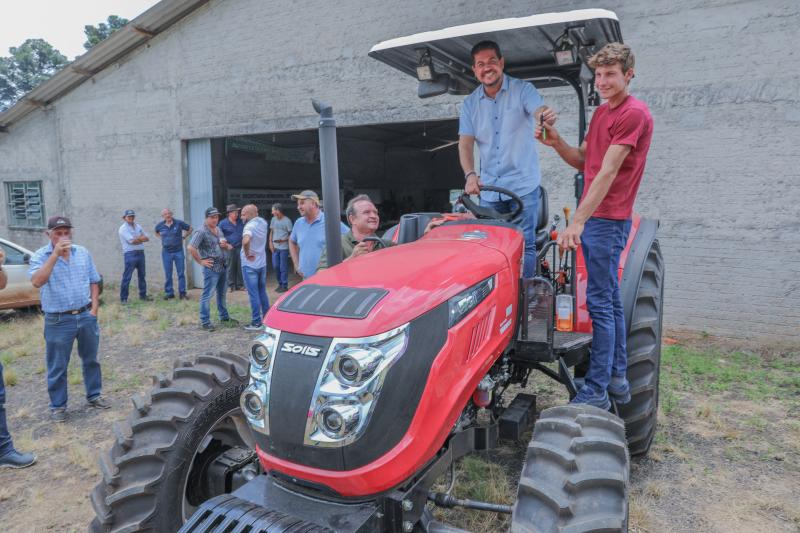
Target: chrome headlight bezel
[
  {"x": 260, "y": 378},
  {"x": 337, "y": 391}
]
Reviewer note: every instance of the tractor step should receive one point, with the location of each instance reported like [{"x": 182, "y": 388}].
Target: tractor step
[{"x": 518, "y": 418}]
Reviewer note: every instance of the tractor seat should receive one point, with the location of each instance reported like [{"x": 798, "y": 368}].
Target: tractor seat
[
  {"x": 542, "y": 235},
  {"x": 411, "y": 227}
]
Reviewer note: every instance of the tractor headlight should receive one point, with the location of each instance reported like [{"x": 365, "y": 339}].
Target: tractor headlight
[
  {"x": 461, "y": 304},
  {"x": 349, "y": 385},
  {"x": 255, "y": 398},
  {"x": 262, "y": 349}
]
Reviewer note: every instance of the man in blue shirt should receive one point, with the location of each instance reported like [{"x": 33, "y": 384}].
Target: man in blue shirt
[
  {"x": 232, "y": 229},
  {"x": 172, "y": 233},
  {"x": 132, "y": 238},
  {"x": 68, "y": 287},
  {"x": 9, "y": 456},
  {"x": 500, "y": 115},
  {"x": 308, "y": 234}
]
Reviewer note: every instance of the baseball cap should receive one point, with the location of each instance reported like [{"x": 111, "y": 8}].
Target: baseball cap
[
  {"x": 231, "y": 207},
  {"x": 58, "y": 222},
  {"x": 306, "y": 194},
  {"x": 129, "y": 213},
  {"x": 211, "y": 212}
]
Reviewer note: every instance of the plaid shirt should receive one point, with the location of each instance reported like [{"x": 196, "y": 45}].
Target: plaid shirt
[
  {"x": 207, "y": 245},
  {"x": 68, "y": 286}
]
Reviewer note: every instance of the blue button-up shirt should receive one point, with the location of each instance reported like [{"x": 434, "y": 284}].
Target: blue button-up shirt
[
  {"x": 172, "y": 236},
  {"x": 503, "y": 128},
  {"x": 68, "y": 286},
  {"x": 232, "y": 232},
  {"x": 129, "y": 232},
  {"x": 310, "y": 237}
]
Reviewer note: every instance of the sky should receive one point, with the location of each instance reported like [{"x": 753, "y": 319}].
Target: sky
[{"x": 60, "y": 22}]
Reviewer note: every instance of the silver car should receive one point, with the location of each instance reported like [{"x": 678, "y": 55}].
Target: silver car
[{"x": 19, "y": 291}]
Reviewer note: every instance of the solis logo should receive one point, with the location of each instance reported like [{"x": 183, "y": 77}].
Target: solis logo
[{"x": 303, "y": 349}]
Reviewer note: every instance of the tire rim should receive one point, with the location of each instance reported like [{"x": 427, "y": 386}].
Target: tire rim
[{"x": 229, "y": 431}]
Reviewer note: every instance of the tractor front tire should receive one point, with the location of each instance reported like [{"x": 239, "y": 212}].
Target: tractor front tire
[
  {"x": 575, "y": 476},
  {"x": 644, "y": 354},
  {"x": 145, "y": 472}
]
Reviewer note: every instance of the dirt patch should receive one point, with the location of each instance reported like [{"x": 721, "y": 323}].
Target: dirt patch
[{"x": 725, "y": 458}]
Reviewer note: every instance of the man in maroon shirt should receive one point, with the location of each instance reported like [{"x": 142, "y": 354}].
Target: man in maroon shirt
[{"x": 612, "y": 158}]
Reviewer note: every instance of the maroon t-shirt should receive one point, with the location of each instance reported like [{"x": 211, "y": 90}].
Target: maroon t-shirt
[{"x": 630, "y": 124}]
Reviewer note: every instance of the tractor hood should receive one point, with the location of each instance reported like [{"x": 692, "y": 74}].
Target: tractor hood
[
  {"x": 441, "y": 59},
  {"x": 385, "y": 289}
]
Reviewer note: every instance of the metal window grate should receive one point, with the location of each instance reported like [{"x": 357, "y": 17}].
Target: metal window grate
[{"x": 25, "y": 204}]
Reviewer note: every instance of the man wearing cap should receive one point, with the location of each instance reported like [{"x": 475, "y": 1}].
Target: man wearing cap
[
  {"x": 232, "y": 229},
  {"x": 207, "y": 246},
  {"x": 280, "y": 227},
  {"x": 132, "y": 238},
  {"x": 68, "y": 287},
  {"x": 172, "y": 232},
  {"x": 308, "y": 235},
  {"x": 9, "y": 456}
]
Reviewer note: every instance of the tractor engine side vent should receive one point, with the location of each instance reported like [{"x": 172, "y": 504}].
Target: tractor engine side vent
[
  {"x": 332, "y": 301},
  {"x": 479, "y": 334}
]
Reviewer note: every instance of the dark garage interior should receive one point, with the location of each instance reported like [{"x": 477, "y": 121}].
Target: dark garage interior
[{"x": 404, "y": 167}]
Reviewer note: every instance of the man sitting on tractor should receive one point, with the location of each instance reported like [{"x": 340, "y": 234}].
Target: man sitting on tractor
[
  {"x": 500, "y": 116},
  {"x": 362, "y": 215},
  {"x": 613, "y": 159}
]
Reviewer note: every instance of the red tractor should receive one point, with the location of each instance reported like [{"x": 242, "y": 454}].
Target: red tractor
[{"x": 373, "y": 377}]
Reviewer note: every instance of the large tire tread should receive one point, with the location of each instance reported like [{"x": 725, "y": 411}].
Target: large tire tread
[
  {"x": 576, "y": 472},
  {"x": 142, "y": 460},
  {"x": 644, "y": 355}
]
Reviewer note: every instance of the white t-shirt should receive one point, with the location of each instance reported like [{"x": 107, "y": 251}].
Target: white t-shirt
[{"x": 258, "y": 229}]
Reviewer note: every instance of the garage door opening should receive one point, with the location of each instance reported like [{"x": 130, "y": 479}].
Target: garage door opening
[{"x": 404, "y": 167}]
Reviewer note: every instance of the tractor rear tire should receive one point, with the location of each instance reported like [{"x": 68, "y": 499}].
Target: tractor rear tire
[
  {"x": 644, "y": 355},
  {"x": 145, "y": 472},
  {"x": 575, "y": 476}
]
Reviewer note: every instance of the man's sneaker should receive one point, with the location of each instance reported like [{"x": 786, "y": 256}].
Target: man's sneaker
[
  {"x": 99, "y": 403},
  {"x": 620, "y": 390},
  {"x": 229, "y": 321},
  {"x": 588, "y": 397},
  {"x": 253, "y": 327},
  {"x": 146, "y": 298},
  {"x": 123, "y": 302},
  {"x": 59, "y": 414},
  {"x": 281, "y": 289},
  {"x": 183, "y": 297},
  {"x": 169, "y": 296},
  {"x": 15, "y": 459},
  {"x": 208, "y": 327}
]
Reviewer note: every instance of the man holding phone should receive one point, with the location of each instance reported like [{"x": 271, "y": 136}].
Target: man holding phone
[{"x": 68, "y": 286}]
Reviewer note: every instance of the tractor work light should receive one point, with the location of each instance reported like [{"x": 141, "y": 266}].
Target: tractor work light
[
  {"x": 263, "y": 349},
  {"x": 461, "y": 304},
  {"x": 349, "y": 385},
  {"x": 254, "y": 401},
  {"x": 565, "y": 51},
  {"x": 425, "y": 70}
]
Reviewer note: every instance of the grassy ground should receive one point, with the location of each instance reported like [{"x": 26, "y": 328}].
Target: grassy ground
[{"x": 726, "y": 455}]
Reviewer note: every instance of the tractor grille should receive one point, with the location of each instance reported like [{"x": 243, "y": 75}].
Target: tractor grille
[
  {"x": 339, "y": 302},
  {"x": 226, "y": 513}
]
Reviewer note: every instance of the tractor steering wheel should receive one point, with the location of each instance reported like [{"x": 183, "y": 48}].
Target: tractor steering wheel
[
  {"x": 488, "y": 212},
  {"x": 379, "y": 243}
]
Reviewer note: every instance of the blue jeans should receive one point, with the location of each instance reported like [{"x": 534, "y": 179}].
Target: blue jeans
[
  {"x": 280, "y": 262},
  {"x": 60, "y": 332},
  {"x": 529, "y": 217},
  {"x": 602, "y": 242},
  {"x": 168, "y": 258},
  {"x": 235, "y": 268},
  {"x": 133, "y": 260},
  {"x": 6, "y": 445},
  {"x": 213, "y": 281},
  {"x": 255, "y": 280}
]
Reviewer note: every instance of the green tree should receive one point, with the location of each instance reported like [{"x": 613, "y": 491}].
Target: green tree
[
  {"x": 27, "y": 66},
  {"x": 95, "y": 34}
]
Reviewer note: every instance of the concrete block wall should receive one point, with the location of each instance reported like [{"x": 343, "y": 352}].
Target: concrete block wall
[{"x": 720, "y": 77}]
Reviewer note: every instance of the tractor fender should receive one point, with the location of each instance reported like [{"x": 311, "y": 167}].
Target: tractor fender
[{"x": 634, "y": 266}]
